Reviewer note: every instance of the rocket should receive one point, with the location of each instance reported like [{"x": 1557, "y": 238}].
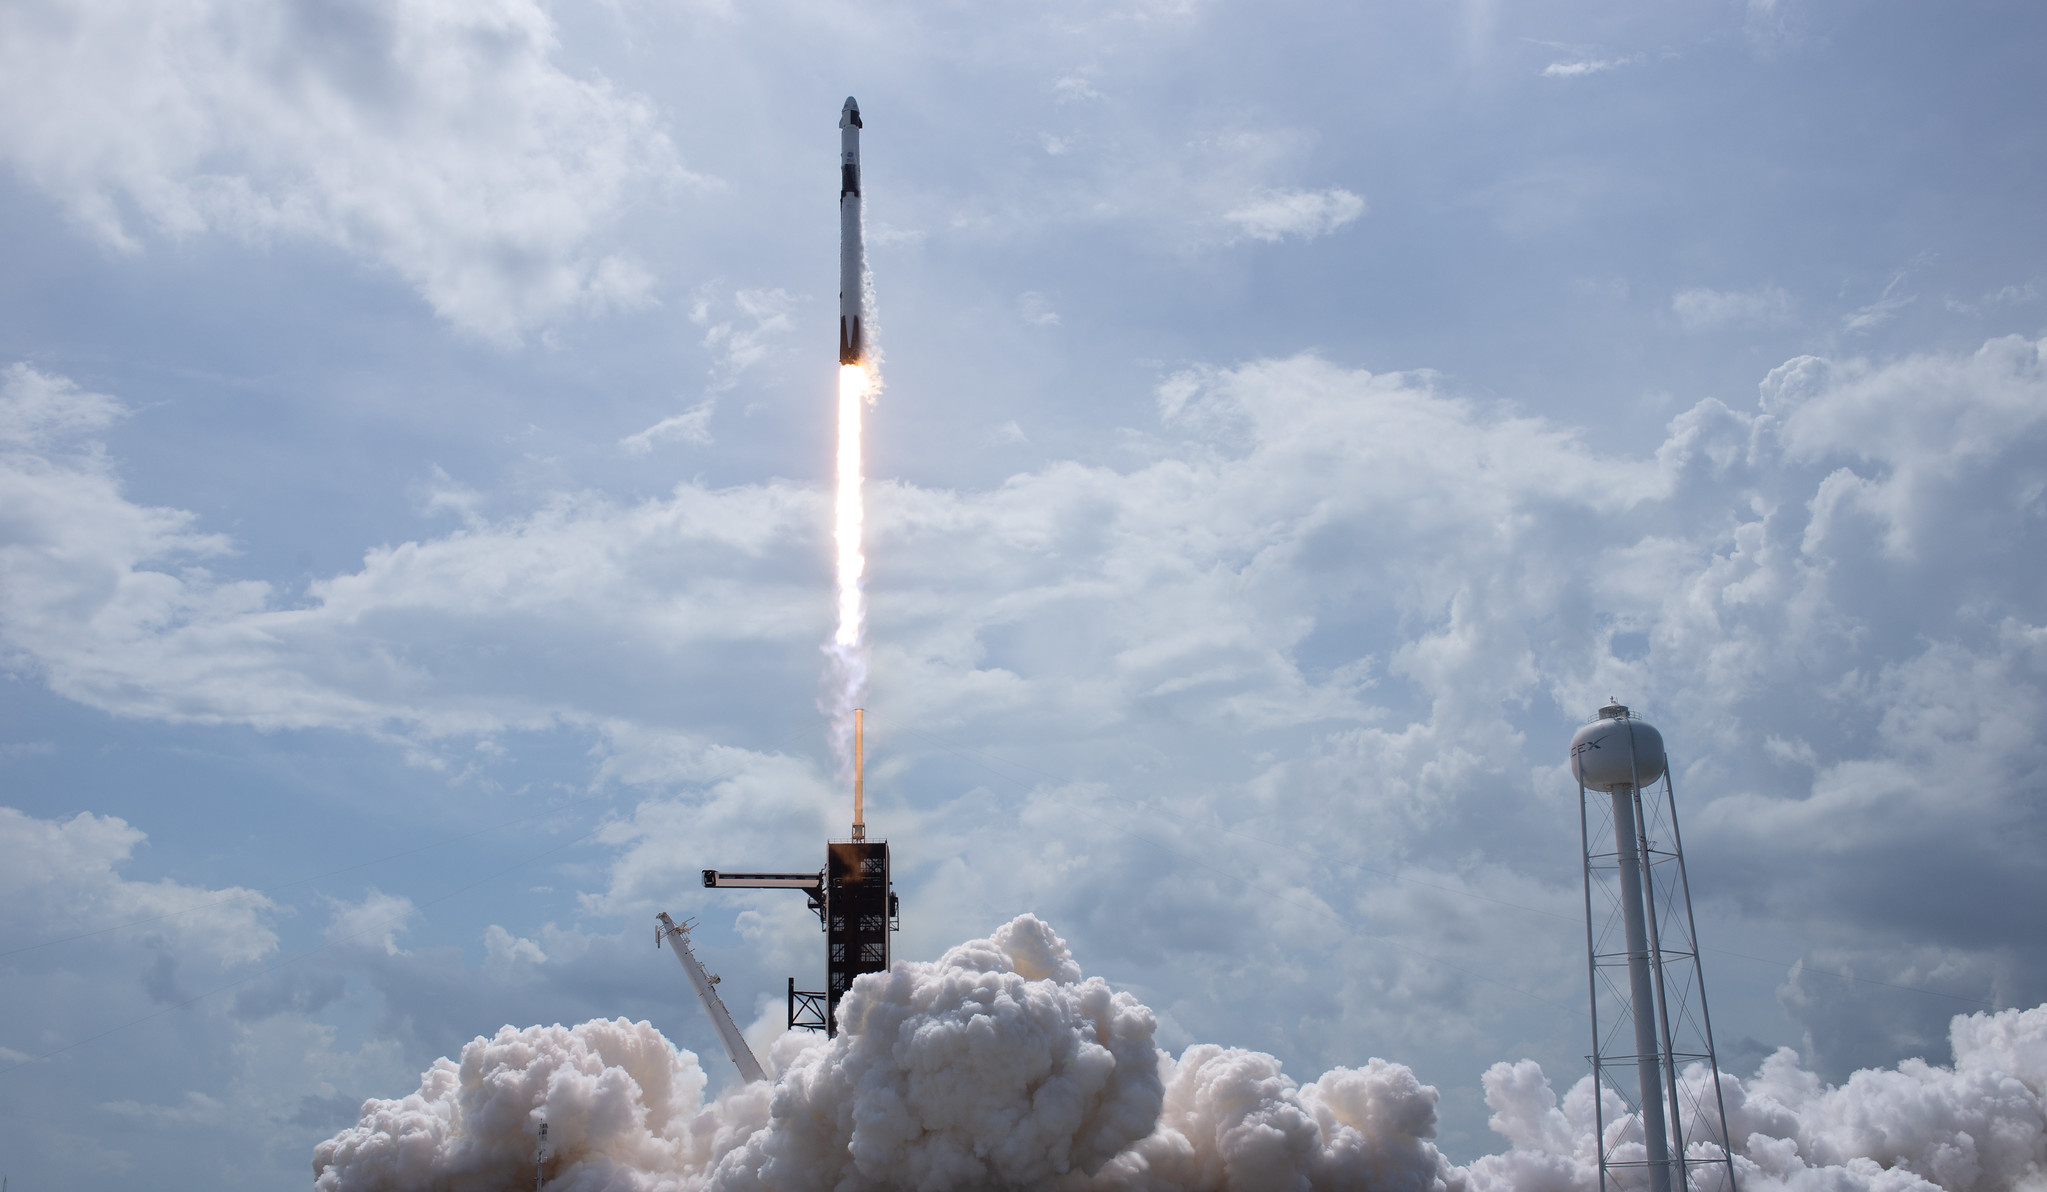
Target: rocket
[{"x": 852, "y": 254}]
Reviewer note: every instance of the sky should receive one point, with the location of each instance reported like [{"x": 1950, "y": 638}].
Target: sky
[{"x": 416, "y": 431}]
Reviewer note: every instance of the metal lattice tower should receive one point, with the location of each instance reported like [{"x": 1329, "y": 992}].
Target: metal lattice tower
[
  {"x": 1652, "y": 1039},
  {"x": 854, "y": 901}
]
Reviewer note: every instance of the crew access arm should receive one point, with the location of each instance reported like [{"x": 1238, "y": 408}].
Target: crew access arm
[{"x": 714, "y": 1006}]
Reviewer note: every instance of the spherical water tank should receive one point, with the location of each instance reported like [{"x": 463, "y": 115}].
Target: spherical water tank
[{"x": 1617, "y": 750}]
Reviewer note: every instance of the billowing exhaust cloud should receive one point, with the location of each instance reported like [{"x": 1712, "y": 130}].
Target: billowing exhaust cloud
[
  {"x": 999, "y": 1066},
  {"x": 1975, "y": 1127}
]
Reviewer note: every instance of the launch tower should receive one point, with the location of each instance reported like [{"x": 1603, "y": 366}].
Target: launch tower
[
  {"x": 853, "y": 898},
  {"x": 1649, "y": 1019}
]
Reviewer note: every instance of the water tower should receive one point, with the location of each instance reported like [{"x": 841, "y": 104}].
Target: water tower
[{"x": 1649, "y": 1022}]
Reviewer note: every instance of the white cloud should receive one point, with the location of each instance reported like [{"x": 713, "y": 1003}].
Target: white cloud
[
  {"x": 1071, "y": 88},
  {"x": 2006, "y": 295},
  {"x": 60, "y": 877},
  {"x": 1036, "y": 309},
  {"x": 1322, "y": 605},
  {"x": 738, "y": 344},
  {"x": 442, "y": 141},
  {"x": 38, "y": 411},
  {"x": 735, "y": 345},
  {"x": 691, "y": 426},
  {"x": 1175, "y": 193},
  {"x": 1580, "y": 67},
  {"x": 505, "y": 954},
  {"x": 1768, "y": 24},
  {"x": 105, "y": 592},
  {"x": 1701, "y": 309},
  {"x": 375, "y": 922},
  {"x": 1889, "y": 303},
  {"x": 1274, "y": 215}
]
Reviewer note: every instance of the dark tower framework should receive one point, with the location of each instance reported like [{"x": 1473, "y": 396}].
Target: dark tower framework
[
  {"x": 1649, "y": 1015},
  {"x": 854, "y": 899}
]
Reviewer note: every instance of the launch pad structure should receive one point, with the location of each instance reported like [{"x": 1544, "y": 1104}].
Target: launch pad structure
[
  {"x": 854, "y": 899},
  {"x": 852, "y": 894}
]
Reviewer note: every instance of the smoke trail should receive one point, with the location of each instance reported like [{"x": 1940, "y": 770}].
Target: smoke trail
[{"x": 848, "y": 647}]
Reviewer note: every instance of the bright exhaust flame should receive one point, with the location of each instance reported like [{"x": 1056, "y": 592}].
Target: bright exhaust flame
[
  {"x": 849, "y": 642},
  {"x": 850, "y": 513}
]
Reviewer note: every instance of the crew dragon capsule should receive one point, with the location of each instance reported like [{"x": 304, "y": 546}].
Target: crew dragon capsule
[{"x": 852, "y": 254}]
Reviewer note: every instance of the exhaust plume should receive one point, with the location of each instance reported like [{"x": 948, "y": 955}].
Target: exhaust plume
[
  {"x": 1000, "y": 1067},
  {"x": 848, "y": 647}
]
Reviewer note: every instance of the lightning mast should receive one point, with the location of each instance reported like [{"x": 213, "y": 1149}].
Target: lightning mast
[{"x": 1649, "y": 1014}]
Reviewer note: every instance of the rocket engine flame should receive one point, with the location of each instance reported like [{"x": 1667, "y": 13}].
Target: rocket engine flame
[
  {"x": 848, "y": 648},
  {"x": 850, "y": 519}
]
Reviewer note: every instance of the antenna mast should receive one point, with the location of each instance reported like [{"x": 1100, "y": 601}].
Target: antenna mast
[{"x": 859, "y": 775}]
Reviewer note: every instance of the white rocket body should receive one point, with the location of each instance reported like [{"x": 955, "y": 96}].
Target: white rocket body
[{"x": 852, "y": 253}]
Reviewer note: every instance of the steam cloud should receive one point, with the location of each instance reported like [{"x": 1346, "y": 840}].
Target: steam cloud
[{"x": 999, "y": 1066}]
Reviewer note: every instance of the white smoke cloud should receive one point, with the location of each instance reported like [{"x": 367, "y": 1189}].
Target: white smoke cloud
[
  {"x": 997, "y": 1066},
  {"x": 1978, "y": 1126},
  {"x": 1000, "y": 1066},
  {"x": 621, "y": 1104}
]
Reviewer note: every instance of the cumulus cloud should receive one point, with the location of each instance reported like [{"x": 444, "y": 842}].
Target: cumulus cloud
[
  {"x": 37, "y": 410},
  {"x": 61, "y": 876},
  {"x": 1318, "y": 605},
  {"x": 106, "y": 592},
  {"x": 442, "y": 141}
]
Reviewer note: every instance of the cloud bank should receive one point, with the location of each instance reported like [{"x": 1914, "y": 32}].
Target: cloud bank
[
  {"x": 1319, "y": 604},
  {"x": 440, "y": 141}
]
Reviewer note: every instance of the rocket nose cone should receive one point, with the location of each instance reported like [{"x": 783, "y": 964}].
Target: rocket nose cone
[
  {"x": 849, "y": 116},
  {"x": 851, "y": 105}
]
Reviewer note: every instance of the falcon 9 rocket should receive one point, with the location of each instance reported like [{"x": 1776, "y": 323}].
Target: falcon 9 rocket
[{"x": 852, "y": 254}]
